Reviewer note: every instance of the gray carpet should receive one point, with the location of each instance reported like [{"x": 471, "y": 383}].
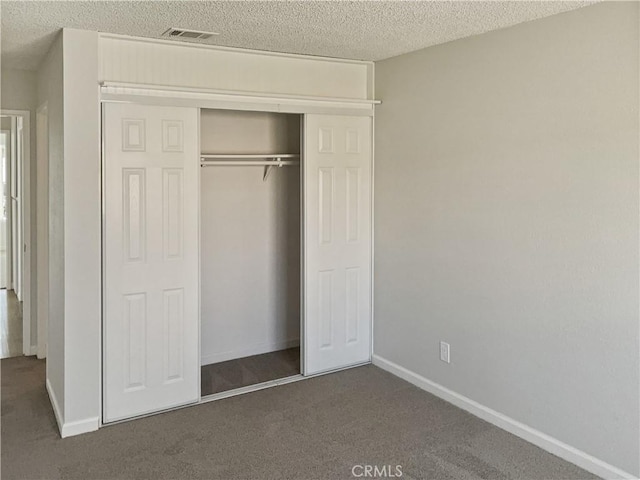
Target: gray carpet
[
  {"x": 10, "y": 324},
  {"x": 242, "y": 372},
  {"x": 312, "y": 429}
]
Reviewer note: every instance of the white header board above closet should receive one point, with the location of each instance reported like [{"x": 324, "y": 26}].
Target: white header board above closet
[{"x": 153, "y": 62}]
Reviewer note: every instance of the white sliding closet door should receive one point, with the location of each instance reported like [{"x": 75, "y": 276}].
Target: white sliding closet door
[
  {"x": 337, "y": 223},
  {"x": 151, "y": 311}
]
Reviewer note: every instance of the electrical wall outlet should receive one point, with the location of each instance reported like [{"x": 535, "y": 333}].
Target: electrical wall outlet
[{"x": 444, "y": 352}]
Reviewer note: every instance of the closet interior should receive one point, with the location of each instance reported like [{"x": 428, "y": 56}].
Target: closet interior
[{"x": 250, "y": 248}]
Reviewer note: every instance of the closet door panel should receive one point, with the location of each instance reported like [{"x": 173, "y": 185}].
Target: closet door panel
[
  {"x": 151, "y": 318},
  {"x": 337, "y": 259}
]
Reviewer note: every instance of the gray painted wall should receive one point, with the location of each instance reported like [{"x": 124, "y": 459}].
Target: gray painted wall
[
  {"x": 67, "y": 80},
  {"x": 507, "y": 223},
  {"x": 50, "y": 90}
]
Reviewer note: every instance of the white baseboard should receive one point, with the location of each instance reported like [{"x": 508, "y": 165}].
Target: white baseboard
[
  {"x": 70, "y": 429},
  {"x": 257, "y": 349},
  {"x": 78, "y": 427},
  {"x": 54, "y": 403},
  {"x": 542, "y": 440}
]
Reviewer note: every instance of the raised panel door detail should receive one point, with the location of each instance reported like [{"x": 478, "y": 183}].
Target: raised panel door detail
[
  {"x": 337, "y": 254},
  {"x": 325, "y": 140},
  {"x": 353, "y": 303},
  {"x": 172, "y": 136},
  {"x": 326, "y": 201},
  {"x": 352, "y": 141},
  {"x": 353, "y": 204},
  {"x": 325, "y": 282},
  {"x": 173, "y": 214},
  {"x": 134, "y": 218},
  {"x": 133, "y": 135},
  {"x": 135, "y": 321},
  {"x": 150, "y": 259},
  {"x": 173, "y": 308}
]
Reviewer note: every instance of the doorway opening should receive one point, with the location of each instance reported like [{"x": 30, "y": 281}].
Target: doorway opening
[
  {"x": 15, "y": 291},
  {"x": 250, "y": 248}
]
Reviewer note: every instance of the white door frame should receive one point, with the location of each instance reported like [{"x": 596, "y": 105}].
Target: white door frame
[
  {"x": 25, "y": 212},
  {"x": 42, "y": 227},
  {"x": 7, "y": 199}
]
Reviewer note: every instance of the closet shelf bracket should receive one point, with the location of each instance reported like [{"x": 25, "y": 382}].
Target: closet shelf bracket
[{"x": 267, "y": 168}]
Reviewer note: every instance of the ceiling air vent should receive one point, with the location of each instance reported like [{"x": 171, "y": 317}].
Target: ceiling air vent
[{"x": 181, "y": 33}]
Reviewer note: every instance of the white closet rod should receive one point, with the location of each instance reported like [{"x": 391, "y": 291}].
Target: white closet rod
[
  {"x": 242, "y": 156},
  {"x": 245, "y": 163},
  {"x": 269, "y": 161}
]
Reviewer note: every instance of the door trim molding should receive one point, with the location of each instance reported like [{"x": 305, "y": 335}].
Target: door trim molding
[
  {"x": 42, "y": 229},
  {"x": 232, "y": 100},
  {"x": 164, "y": 90}
]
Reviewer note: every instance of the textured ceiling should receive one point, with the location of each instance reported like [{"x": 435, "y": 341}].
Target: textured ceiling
[{"x": 367, "y": 30}]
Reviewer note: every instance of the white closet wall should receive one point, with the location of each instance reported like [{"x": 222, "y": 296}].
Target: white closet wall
[{"x": 250, "y": 238}]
